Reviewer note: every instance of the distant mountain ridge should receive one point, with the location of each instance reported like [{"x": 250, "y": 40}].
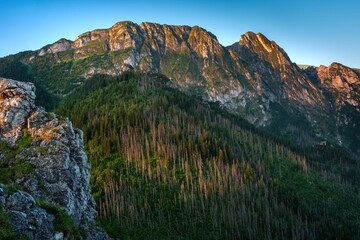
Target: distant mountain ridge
[{"x": 254, "y": 77}]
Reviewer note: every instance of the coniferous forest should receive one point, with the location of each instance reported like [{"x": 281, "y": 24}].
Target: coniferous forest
[{"x": 166, "y": 165}]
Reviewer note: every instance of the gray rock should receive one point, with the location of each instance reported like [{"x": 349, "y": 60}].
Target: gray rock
[
  {"x": 59, "y": 236},
  {"x": 3, "y": 195},
  {"x": 17, "y": 100},
  {"x": 20, "y": 201},
  {"x": 64, "y": 168},
  {"x": 96, "y": 234},
  {"x": 36, "y": 224},
  {"x": 61, "y": 172},
  {"x": 27, "y": 219}
]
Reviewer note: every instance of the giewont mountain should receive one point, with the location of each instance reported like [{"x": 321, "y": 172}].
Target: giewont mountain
[
  {"x": 253, "y": 77},
  {"x": 166, "y": 163}
]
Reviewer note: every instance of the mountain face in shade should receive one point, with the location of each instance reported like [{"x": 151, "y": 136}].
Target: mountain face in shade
[
  {"x": 341, "y": 86},
  {"x": 253, "y": 78}
]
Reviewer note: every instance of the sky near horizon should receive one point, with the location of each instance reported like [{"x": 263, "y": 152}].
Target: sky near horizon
[{"x": 312, "y": 32}]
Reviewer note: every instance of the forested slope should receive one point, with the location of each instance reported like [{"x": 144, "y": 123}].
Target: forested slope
[{"x": 168, "y": 165}]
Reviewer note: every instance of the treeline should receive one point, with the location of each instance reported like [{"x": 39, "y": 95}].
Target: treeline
[
  {"x": 11, "y": 67},
  {"x": 168, "y": 165}
]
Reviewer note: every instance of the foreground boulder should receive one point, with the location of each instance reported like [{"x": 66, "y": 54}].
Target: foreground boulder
[{"x": 59, "y": 171}]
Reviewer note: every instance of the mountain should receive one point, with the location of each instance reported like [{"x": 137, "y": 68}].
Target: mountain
[
  {"x": 166, "y": 162},
  {"x": 253, "y": 78},
  {"x": 44, "y": 172}
]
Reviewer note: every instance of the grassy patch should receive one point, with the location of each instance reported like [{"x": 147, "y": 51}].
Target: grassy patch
[
  {"x": 6, "y": 231},
  {"x": 12, "y": 167},
  {"x": 11, "y": 188},
  {"x": 63, "y": 222},
  {"x": 42, "y": 150}
]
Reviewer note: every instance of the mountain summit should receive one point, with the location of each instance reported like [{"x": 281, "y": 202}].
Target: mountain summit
[{"x": 253, "y": 78}]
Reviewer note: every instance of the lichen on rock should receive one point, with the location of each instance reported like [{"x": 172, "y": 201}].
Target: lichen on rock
[
  {"x": 17, "y": 100},
  {"x": 61, "y": 170}
]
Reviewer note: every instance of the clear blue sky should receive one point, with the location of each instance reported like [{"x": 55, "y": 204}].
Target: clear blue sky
[{"x": 310, "y": 31}]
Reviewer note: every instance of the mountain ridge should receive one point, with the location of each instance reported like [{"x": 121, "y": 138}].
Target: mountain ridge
[{"x": 254, "y": 77}]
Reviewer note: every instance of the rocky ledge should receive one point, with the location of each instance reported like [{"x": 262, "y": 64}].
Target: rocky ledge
[{"x": 58, "y": 171}]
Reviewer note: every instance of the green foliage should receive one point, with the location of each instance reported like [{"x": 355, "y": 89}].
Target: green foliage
[
  {"x": 11, "y": 166},
  {"x": 293, "y": 126},
  {"x": 63, "y": 222},
  {"x": 11, "y": 188},
  {"x": 350, "y": 134},
  {"x": 12, "y": 67},
  {"x": 175, "y": 64},
  {"x": 6, "y": 231},
  {"x": 167, "y": 165},
  {"x": 24, "y": 141},
  {"x": 56, "y": 75},
  {"x": 196, "y": 91},
  {"x": 42, "y": 150}
]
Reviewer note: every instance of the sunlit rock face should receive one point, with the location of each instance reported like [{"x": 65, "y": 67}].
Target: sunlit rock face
[
  {"x": 341, "y": 79},
  {"x": 253, "y": 77}
]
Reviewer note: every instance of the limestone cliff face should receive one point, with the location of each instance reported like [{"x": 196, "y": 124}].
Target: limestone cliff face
[
  {"x": 181, "y": 52},
  {"x": 341, "y": 86},
  {"x": 252, "y": 70},
  {"x": 273, "y": 65},
  {"x": 341, "y": 79},
  {"x": 266, "y": 49},
  {"x": 60, "y": 169},
  {"x": 253, "y": 78}
]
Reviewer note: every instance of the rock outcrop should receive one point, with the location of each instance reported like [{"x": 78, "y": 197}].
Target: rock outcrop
[
  {"x": 17, "y": 99},
  {"x": 339, "y": 79},
  {"x": 27, "y": 218},
  {"x": 60, "y": 169},
  {"x": 341, "y": 86}
]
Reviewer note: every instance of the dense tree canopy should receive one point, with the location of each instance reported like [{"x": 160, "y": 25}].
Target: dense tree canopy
[{"x": 168, "y": 165}]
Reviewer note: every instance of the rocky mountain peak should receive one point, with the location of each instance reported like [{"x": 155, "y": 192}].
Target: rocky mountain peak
[
  {"x": 123, "y": 25},
  {"x": 124, "y": 35},
  {"x": 59, "y": 172},
  {"x": 88, "y": 37},
  {"x": 266, "y": 49},
  {"x": 156, "y": 27},
  {"x": 203, "y": 42},
  {"x": 199, "y": 32},
  {"x": 338, "y": 75},
  {"x": 59, "y": 46},
  {"x": 341, "y": 79},
  {"x": 249, "y": 77},
  {"x": 252, "y": 39}
]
